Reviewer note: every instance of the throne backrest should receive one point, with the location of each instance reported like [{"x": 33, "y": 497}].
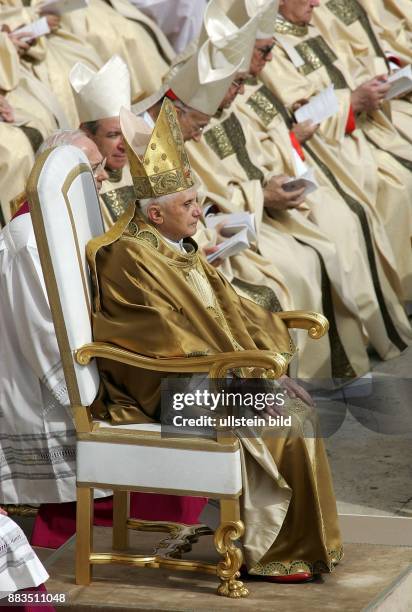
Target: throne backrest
[{"x": 66, "y": 215}]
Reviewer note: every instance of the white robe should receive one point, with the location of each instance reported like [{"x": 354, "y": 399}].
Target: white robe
[
  {"x": 180, "y": 20},
  {"x": 19, "y": 566},
  {"x": 37, "y": 435}
]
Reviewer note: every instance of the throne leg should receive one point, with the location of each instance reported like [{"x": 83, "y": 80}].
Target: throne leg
[
  {"x": 84, "y": 535},
  {"x": 121, "y": 502},
  {"x": 230, "y": 530}
]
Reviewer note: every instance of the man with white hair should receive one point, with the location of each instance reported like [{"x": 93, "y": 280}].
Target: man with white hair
[
  {"x": 154, "y": 295},
  {"x": 99, "y": 97},
  {"x": 37, "y": 440}
]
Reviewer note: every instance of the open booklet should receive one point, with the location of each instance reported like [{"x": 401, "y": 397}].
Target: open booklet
[
  {"x": 232, "y": 246},
  {"x": 233, "y": 223},
  {"x": 305, "y": 180},
  {"x": 320, "y": 107},
  {"x": 400, "y": 82},
  {"x": 37, "y": 28}
]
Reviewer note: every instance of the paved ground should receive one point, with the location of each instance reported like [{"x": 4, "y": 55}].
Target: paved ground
[
  {"x": 357, "y": 582},
  {"x": 372, "y": 471}
]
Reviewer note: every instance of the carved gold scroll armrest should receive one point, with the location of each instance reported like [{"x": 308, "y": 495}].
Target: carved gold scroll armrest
[
  {"x": 216, "y": 365},
  {"x": 316, "y": 324}
]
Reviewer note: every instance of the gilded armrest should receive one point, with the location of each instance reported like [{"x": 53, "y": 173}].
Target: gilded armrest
[
  {"x": 216, "y": 365},
  {"x": 316, "y": 324}
]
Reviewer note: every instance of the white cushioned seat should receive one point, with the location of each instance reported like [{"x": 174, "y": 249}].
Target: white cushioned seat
[{"x": 150, "y": 461}]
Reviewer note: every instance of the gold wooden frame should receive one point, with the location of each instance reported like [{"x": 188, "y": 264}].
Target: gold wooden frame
[{"x": 231, "y": 527}]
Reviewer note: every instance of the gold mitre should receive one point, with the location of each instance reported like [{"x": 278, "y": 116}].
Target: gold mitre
[
  {"x": 268, "y": 12},
  {"x": 159, "y": 164},
  {"x": 231, "y": 30}
]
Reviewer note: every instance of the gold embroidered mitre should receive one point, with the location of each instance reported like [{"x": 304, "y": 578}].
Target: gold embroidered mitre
[{"x": 159, "y": 164}]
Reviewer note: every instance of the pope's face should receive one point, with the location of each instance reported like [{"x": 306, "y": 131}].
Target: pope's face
[
  {"x": 179, "y": 217},
  {"x": 298, "y": 11},
  {"x": 109, "y": 140}
]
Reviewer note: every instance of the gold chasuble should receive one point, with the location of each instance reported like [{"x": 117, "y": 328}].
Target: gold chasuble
[
  {"x": 361, "y": 46},
  {"x": 303, "y": 65},
  {"x": 155, "y": 300},
  {"x": 337, "y": 213},
  {"x": 233, "y": 167}
]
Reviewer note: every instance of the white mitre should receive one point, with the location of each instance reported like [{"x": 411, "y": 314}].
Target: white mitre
[
  {"x": 101, "y": 94},
  {"x": 268, "y": 10},
  {"x": 232, "y": 31},
  {"x": 201, "y": 82}
]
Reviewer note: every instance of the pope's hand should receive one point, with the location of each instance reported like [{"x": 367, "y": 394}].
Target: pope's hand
[
  {"x": 276, "y": 198},
  {"x": 294, "y": 390}
]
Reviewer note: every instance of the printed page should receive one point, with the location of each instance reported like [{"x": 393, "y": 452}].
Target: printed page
[
  {"x": 320, "y": 107},
  {"x": 38, "y": 28}
]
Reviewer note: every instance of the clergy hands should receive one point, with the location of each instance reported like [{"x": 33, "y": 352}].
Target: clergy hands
[
  {"x": 53, "y": 20},
  {"x": 305, "y": 130},
  {"x": 21, "y": 45},
  {"x": 276, "y": 198},
  {"x": 2, "y": 511},
  {"x": 370, "y": 95},
  {"x": 6, "y": 111},
  {"x": 295, "y": 391}
]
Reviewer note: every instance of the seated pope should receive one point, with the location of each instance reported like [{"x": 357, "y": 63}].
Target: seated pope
[{"x": 156, "y": 295}]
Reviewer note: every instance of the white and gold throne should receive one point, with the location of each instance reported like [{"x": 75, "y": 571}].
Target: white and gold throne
[{"x": 66, "y": 215}]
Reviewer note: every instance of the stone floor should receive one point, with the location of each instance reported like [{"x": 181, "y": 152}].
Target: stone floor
[
  {"x": 372, "y": 471},
  {"x": 366, "y": 573}
]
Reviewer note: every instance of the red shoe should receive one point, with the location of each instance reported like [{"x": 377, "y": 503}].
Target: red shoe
[
  {"x": 287, "y": 579},
  {"x": 291, "y": 578}
]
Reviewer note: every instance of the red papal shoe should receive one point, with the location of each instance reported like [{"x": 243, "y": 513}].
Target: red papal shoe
[
  {"x": 297, "y": 578},
  {"x": 291, "y": 578}
]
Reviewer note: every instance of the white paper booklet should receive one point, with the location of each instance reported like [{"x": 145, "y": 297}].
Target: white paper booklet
[
  {"x": 64, "y": 6},
  {"x": 38, "y": 28},
  {"x": 401, "y": 83},
  {"x": 306, "y": 180},
  {"x": 232, "y": 246},
  {"x": 233, "y": 223},
  {"x": 320, "y": 107}
]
